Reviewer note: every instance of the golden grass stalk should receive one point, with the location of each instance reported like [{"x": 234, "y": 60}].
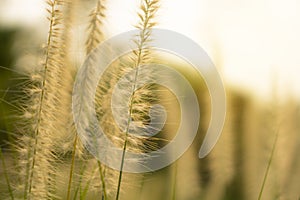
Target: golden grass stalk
[
  {"x": 148, "y": 8},
  {"x": 41, "y": 116},
  {"x": 95, "y": 36},
  {"x": 95, "y": 27}
]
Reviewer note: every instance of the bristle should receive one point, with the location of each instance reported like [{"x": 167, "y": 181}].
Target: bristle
[
  {"x": 139, "y": 101},
  {"x": 95, "y": 36},
  {"x": 41, "y": 119},
  {"x": 95, "y": 27}
]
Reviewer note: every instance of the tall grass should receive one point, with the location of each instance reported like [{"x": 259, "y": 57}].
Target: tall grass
[
  {"x": 95, "y": 37},
  {"x": 52, "y": 161},
  {"x": 140, "y": 56},
  {"x": 42, "y": 122}
]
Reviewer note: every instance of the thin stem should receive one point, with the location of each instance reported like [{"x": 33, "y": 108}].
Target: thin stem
[
  {"x": 174, "y": 181},
  {"x": 139, "y": 60},
  {"x": 6, "y": 175},
  {"x": 129, "y": 118},
  {"x": 42, "y": 97},
  {"x": 268, "y": 167},
  {"x": 72, "y": 168},
  {"x": 94, "y": 38},
  {"x": 104, "y": 195},
  {"x": 126, "y": 138},
  {"x": 2, "y": 157}
]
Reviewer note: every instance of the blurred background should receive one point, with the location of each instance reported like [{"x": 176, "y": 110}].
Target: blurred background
[{"x": 255, "y": 46}]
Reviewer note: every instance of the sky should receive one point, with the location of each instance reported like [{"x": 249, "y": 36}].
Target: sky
[{"x": 252, "y": 42}]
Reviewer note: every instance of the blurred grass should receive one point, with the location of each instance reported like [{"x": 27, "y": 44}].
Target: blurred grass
[
  {"x": 234, "y": 170},
  {"x": 6, "y": 61}
]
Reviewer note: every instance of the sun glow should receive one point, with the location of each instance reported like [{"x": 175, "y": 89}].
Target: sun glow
[{"x": 249, "y": 40}]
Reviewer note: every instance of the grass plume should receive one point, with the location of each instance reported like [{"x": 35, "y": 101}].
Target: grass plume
[
  {"x": 95, "y": 27},
  {"x": 148, "y": 8},
  {"x": 95, "y": 36},
  {"x": 51, "y": 160},
  {"x": 41, "y": 117}
]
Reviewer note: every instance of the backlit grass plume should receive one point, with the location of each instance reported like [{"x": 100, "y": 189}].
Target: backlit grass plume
[
  {"x": 96, "y": 176},
  {"x": 95, "y": 26},
  {"x": 138, "y": 107},
  {"x": 42, "y": 122},
  {"x": 54, "y": 160},
  {"x": 123, "y": 73},
  {"x": 139, "y": 102}
]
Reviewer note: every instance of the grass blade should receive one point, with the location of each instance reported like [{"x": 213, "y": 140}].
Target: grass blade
[{"x": 268, "y": 167}]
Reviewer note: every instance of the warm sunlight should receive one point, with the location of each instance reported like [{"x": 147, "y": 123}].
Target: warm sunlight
[
  {"x": 99, "y": 99},
  {"x": 256, "y": 39}
]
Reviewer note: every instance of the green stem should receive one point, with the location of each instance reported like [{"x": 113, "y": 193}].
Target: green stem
[
  {"x": 268, "y": 167},
  {"x": 72, "y": 168},
  {"x": 174, "y": 181},
  {"x": 128, "y": 122},
  {"x": 136, "y": 66},
  {"x": 104, "y": 195},
  {"x": 2, "y": 157},
  {"x": 6, "y": 175},
  {"x": 122, "y": 165}
]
